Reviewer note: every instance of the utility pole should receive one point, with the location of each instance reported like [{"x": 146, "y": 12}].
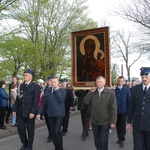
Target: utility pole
[{"x": 121, "y": 69}]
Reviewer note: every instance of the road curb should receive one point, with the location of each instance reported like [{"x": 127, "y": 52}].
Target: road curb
[{"x": 12, "y": 130}]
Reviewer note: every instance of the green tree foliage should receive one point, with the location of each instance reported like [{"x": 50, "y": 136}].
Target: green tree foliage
[
  {"x": 15, "y": 55},
  {"x": 114, "y": 73},
  {"x": 46, "y": 25}
]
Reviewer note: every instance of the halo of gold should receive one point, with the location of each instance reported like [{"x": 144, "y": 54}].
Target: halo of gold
[
  {"x": 97, "y": 45},
  {"x": 102, "y": 53}
]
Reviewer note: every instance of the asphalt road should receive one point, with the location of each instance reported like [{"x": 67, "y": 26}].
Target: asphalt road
[{"x": 72, "y": 140}]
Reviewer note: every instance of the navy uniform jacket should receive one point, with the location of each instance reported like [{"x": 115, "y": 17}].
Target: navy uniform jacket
[
  {"x": 123, "y": 98},
  {"x": 27, "y": 99},
  {"x": 69, "y": 99},
  {"x": 139, "y": 108},
  {"x": 53, "y": 103}
]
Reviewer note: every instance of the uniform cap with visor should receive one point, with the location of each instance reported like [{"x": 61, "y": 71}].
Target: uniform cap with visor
[
  {"x": 29, "y": 71},
  {"x": 145, "y": 71}
]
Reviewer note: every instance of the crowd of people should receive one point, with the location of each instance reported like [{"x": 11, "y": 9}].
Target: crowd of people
[{"x": 101, "y": 109}]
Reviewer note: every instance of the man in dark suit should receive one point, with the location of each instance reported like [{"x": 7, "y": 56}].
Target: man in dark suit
[
  {"x": 45, "y": 112},
  {"x": 53, "y": 102},
  {"x": 123, "y": 97},
  {"x": 139, "y": 112},
  {"x": 84, "y": 111},
  {"x": 25, "y": 109},
  {"x": 68, "y": 105}
]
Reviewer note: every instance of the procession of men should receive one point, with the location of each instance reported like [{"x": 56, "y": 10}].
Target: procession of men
[{"x": 108, "y": 109}]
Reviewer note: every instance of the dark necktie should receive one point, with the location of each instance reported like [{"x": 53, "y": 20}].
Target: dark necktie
[
  {"x": 53, "y": 90},
  {"x": 145, "y": 89}
]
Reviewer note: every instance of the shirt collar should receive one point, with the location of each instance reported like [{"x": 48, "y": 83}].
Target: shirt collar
[
  {"x": 120, "y": 87},
  {"x": 27, "y": 82},
  {"x": 146, "y": 86},
  {"x": 100, "y": 90}
]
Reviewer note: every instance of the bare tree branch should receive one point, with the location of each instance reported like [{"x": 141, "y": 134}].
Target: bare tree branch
[
  {"x": 136, "y": 59},
  {"x": 137, "y": 11},
  {"x": 123, "y": 47},
  {"x": 5, "y": 3}
]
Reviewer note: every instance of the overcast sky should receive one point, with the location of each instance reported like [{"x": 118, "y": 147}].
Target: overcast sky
[{"x": 102, "y": 10}]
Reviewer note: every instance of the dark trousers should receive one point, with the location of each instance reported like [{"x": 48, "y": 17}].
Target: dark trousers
[
  {"x": 47, "y": 124},
  {"x": 26, "y": 128},
  {"x": 141, "y": 139},
  {"x": 55, "y": 131},
  {"x": 101, "y": 135},
  {"x": 2, "y": 115},
  {"x": 65, "y": 122},
  {"x": 9, "y": 111},
  {"x": 121, "y": 126},
  {"x": 85, "y": 118}
]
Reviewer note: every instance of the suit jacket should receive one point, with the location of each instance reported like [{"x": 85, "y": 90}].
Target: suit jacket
[
  {"x": 53, "y": 103},
  {"x": 123, "y": 98},
  {"x": 139, "y": 108},
  {"x": 69, "y": 99},
  {"x": 27, "y": 99}
]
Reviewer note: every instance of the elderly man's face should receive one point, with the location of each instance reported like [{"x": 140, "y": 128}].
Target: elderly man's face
[
  {"x": 27, "y": 77},
  {"x": 100, "y": 83},
  {"x": 145, "y": 79}
]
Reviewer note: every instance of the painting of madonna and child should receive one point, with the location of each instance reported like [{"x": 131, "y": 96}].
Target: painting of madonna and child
[{"x": 90, "y": 56}]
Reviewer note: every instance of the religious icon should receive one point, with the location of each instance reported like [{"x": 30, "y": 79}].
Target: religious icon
[
  {"x": 90, "y": 53},
  {"x": 92, "y": 59}
]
